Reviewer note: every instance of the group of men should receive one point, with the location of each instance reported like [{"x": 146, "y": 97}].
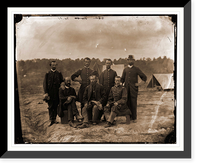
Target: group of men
[{"x": 108, "y": 97}]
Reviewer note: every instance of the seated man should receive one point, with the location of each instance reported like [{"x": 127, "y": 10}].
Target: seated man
[
  {"x": 117, "y": 100},
  {"x": 67, "y": 96},
  {"x": 93, "y": 98}
]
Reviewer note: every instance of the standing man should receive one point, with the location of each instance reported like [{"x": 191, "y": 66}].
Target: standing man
[
  {"x": 93, "y": 98},
  {"x": 51, "y": 85},
  {"x": 107, "y": 78},
  {"x": 130, "y": 77},
  {"x": 84, "y": 73}
]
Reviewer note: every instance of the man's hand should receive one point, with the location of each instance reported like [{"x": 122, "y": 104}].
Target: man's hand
[
  {"x": 69, "y": 98},
  {"x": 62, "y": 85},
  {"x": 139, "y": 84},
  {"x": 100, "y": 107},
  {"x": 73, "y": 97},
  {"x": 86, "y": 104},
  {"x": 136, "y": 84},
  {"x": 46, "y": 94},
  {"x": 107, "y": 105},
  {"x": 115, "y": 104},
  {"x": 95, "y": 102},
  {"x": 78, "y": 80}
]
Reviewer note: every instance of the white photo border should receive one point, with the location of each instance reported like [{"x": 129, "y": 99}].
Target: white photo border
[{"x": 179, "y": 146}]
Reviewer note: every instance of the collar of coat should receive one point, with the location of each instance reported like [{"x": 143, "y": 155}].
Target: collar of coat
[
  {"x": 53, "y": 70},
  {"x": 130, "y": 66},
  {"x": 67, "y": 87}
]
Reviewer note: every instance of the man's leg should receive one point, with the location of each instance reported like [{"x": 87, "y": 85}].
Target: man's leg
[
  {"x": 132, "y": 104},
  {"x": 134, "y": 108},
  {"x": 70, "y": 116},
  {"x": 95, "y": 114},
  {"x": 111, "y": 117},
  {"x": 55, "y": 106},
  {"x": 85, "y": 118},
  {"x": 51, "y": 112},
  {"x": 106, "y": 112},
  {"x": 85, "y": 115},
  {"x": 70, "y": 113},
  {"x": 112, "y": 114}
]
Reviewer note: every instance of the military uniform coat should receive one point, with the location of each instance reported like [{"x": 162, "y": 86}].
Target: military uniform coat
[
  {"x": 52, "y": 83},
  {"x": 118, "y": 94},
  {"x": 96, "y": 93},
  {"x": 84, "y": 74},
  {"x": 107, "y": 79}
]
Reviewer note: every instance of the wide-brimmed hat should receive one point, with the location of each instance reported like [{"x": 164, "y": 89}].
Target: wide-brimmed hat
[{"x": 130, "y": 57}]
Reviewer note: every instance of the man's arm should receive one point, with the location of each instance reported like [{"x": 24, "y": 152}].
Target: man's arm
[
  {"x": 76, "y": 74},
  {"x": 61, "y": 78},
  {"x": 45, "y": 84},
  {"x": 142, "y": 76},
  {"x": 123, "y": 76},
  {"x": 73, "y": 94},
  {"x": 101, "y": 78},
  {"x": 110, "y": 97},
  {"x": 103, "y": 95},
  {"x": 85, "y": 96}
]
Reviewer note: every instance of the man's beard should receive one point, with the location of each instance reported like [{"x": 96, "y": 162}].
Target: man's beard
[
  {"x": 93, "y": 83},
  {"x": 108, "y": 67},
  {"x": 68, "y": 84}
]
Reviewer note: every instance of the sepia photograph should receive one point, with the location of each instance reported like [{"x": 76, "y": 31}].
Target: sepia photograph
[{"x": 103, "y": 79}]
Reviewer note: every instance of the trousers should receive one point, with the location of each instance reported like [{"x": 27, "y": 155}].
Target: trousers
[
  {"x": 90, "y": 113},
  {"x": 110, "y": 116},
  {"x": 53, "y": 104},
  {"x": 132, "y": 104}
]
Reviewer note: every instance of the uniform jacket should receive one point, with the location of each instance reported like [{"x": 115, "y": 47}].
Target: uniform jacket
[
  {"x": 99, "y": 93},
  {"x": 118, "y": 94},
  {"x": 51, "y": 83},
  {"x": 84, "y": 73},
  {"x": 130, "y": 77},
  {"x": 107, "y": 79}
]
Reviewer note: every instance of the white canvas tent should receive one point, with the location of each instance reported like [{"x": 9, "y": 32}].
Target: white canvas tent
[
  {"x": 166, "y": 81},
  {"x": 117, "y": 67}
]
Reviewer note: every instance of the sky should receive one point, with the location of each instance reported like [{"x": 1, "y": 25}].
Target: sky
[{"x": 111, "y": 37}]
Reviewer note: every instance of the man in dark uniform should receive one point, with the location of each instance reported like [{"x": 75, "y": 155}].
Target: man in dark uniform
[
  {"x": 84, "y": 73},
  {"x": 67, "y": 97},
  {"x": 93, "y": 98},
  {"x": 51, "y": 85},
  {"x": 130, "y": 77},
  {"x": 107, "y": 78}
]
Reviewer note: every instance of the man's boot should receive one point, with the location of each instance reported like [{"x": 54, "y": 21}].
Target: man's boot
[{"x": 72, "y": 124}]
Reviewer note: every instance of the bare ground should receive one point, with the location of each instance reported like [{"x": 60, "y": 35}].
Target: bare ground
[{"x": 155, "y": 121}]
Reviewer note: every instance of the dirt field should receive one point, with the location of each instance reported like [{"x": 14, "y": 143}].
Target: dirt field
[{"x": 155, "y": 121}]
